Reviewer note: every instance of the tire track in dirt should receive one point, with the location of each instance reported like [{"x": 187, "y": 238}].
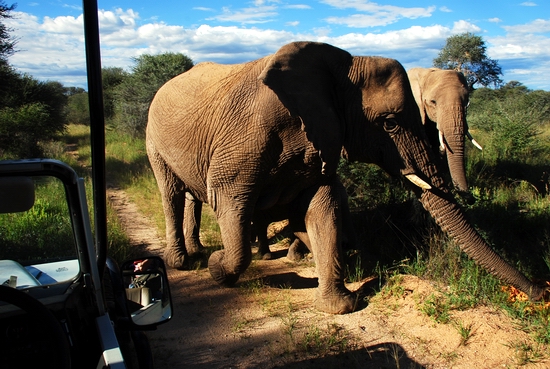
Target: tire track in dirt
[{"x": 140, "y": 230}]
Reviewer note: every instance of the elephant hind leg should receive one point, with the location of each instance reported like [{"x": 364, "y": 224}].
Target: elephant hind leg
[
  {"x": 172, "y": 190},
  {"x": 191, "y": 225},
  {"x": 259, "y": 229}
]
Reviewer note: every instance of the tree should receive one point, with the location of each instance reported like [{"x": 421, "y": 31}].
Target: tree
[
  {"x": 135, "y": 93},
  {"x": 78, "y": 110},
  {"x": 33, "y": 112},
  {"x": 7, "y": 48},
  {"x": 466, "y": 53},
  {"x": 111, "y": 78},
  {"x": 7, "y": 42},
  {"x": 512, "y": 116}
]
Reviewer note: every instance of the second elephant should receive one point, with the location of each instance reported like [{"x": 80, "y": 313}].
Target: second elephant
[{"x": 442, "y": 97}]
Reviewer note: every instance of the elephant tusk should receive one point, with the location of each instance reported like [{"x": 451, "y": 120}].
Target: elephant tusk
[
  {"x": 442, "y": 145},
  {"x": 476, "y": 144},
  {"x": 417, "y": 181}
]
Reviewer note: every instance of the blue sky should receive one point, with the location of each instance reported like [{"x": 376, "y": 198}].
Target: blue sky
[{"x": 516, "y": 32}]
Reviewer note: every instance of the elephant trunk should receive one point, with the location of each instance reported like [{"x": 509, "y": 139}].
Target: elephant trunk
[
  {"x": 452, "y": 130},
  {"x": 450, "y": 217}
]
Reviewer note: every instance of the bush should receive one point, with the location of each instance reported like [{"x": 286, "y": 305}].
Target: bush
[
  {"x": 513, "y": 119},
  {"x": 20, "y": 130},
  {"x": 78, "y": 109}
]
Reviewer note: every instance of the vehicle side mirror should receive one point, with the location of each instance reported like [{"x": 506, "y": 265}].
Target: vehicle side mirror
[
  {"x": 17, "y": 194},
  {"x": 148, "y": 296}
]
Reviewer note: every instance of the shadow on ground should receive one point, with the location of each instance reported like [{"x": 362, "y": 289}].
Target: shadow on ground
[{"x": 381, "y": 356}]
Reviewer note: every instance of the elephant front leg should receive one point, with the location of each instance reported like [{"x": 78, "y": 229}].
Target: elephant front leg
[
  {"x": 324, "y": 228},
  {"x": 235, "y": 226}
]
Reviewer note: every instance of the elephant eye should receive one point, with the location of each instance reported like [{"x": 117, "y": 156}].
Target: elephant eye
[{"x": 390, "y": 124}]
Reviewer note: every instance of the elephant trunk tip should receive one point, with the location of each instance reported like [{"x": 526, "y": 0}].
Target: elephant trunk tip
[{"x": 540, "y": 292}]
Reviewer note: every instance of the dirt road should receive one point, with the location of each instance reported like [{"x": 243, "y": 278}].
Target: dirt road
[{"x": 268, "y": 321}]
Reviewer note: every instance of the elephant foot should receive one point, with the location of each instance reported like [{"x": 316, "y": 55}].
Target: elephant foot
[
  {"x": 218, "y": 272},
  {"x": 337, "y": 302},
  {"x": 193, "y": 247},
  {"x": 295, "y": 251},
  {"x": 175, "y": 258},
  {"x": 264, "y": 252}
]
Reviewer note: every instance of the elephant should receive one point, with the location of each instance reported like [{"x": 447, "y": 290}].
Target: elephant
[
  {"x": 443, "y": 97},
  {"x": 269, "y": 134}
]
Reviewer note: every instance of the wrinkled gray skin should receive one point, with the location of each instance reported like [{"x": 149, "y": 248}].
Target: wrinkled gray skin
[
  {"x": 442, "y": 97},
  {"x": 269, "y": 134}
]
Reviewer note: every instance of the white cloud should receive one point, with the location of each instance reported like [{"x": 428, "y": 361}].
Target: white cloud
[
  {"x": 297, "y": 6},
  {"x": 463, "y": 26},
  {"x": 67, "y": 25},
  {"x": 536, "y": 26},
  {"x": 202, "y": 8},
  {"x": 444, "y": 9},
  {"x": 260, "y": 14},
  {"x": 528, "y": 3},
  {"x": 495, "y": 20},
  {"x": 373, "y": 14},
  {"x": 524, "y": 53}
]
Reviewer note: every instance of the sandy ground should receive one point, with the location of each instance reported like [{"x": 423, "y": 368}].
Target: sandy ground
[{"x": 268, "y": 321}]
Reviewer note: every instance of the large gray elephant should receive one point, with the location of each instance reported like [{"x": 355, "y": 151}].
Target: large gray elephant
[
  {"x": 269, "y": 133},
  {"x": 442, "y": 97}
]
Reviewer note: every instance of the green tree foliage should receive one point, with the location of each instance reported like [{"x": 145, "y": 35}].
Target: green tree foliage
[
  {"x": 78, "y": 108},
  {"x": 21, "y": 129},
  {"x": 111, "y": 78},
  {"x": 513, "y": 117},
  {"x": 31, "y": 112},
  {"x": 7, "y": 42},
  {"x": 466, "y": 53},
  {"x": 135, "y": 93},
  {"x": 7, "y": 48}
]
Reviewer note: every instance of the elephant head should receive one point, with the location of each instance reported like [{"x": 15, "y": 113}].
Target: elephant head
[
  {"x": 358, "y": 107},
  {"x": 269, "y": 134},
  {"x": 442, "y": 97}
]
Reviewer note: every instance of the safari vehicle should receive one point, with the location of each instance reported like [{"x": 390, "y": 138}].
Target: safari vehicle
[
  {"x": 57, "y": 309},
  {"x": 64, "y": 302}
]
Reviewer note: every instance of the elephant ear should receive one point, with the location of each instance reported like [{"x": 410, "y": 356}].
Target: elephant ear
[
  {"x": 416, "y": 78},
  {"x": 307, "y": 78}
]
